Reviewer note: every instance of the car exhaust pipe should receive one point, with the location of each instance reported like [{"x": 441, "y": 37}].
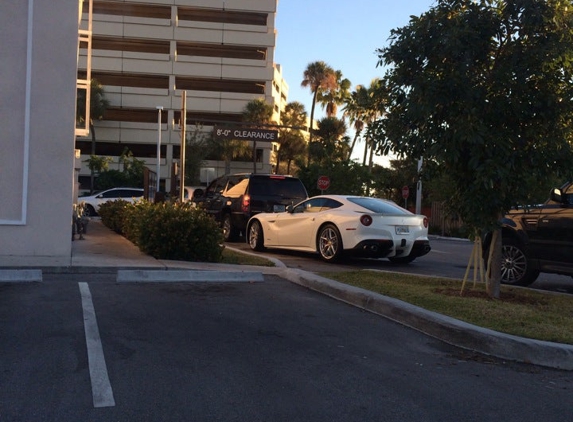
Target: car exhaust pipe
[{"x": 371, "y": 248}]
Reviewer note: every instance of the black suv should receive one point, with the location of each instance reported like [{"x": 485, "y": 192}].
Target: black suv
[
  {"x": 233, "y": 199},
  {"x": 538, "y": 239}
]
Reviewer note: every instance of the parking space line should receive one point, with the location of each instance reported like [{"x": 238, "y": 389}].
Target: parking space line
[{"x": 101, "y": 387}]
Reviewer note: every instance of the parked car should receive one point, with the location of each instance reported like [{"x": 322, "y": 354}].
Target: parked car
[
  {"x": 334, "y": 225},
  {"x": 233, "y": 199},
  {"x": 537, "y": 239},
  {"x": 193, "y": 192},
  {"x": 93, "y": 202}
]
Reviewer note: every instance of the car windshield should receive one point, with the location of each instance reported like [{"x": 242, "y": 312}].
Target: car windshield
[{"x": 379, "y": 206}]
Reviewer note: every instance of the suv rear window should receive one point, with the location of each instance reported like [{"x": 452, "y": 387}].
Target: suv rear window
[{"x": 285, "y": 187}]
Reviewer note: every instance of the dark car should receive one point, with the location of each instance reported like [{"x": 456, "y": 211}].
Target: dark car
[
  {"x": 538, "y": 239},
  {"x": 233, "y": 199}
]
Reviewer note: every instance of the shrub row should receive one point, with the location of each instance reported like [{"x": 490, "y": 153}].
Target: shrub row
[{"x": 166, "y": 230}]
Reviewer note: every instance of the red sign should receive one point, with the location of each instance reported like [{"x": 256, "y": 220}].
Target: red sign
[
  {"x": 405, "y": 192},
  {"x": 323, "y": 182}
]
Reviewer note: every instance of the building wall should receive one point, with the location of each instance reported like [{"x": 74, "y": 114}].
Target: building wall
[
  {"x": 147, "y": 52},
  {"x": 38, "y": 46}
]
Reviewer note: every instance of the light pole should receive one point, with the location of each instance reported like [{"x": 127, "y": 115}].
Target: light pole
[
  {"x": 419, "y": 188},
  {"x": 159, "y": 110}
]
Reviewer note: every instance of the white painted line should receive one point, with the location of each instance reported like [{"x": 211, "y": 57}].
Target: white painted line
[
  {"x": 101, "y": 387},
  {"x": 179, "y": 276}
]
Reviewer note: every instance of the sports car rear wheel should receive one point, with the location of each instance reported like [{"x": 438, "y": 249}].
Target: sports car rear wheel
[
  {"x": 255, "y": 236},
  {"x": 329, "y": 243}
]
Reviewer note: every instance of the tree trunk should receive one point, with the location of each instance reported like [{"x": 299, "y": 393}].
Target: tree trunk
[
  {"x": 371, "y": 159},
  {"x": 310, "y": 128},
  {"x": 366, "y": 142},
  {"x": 493, "y": 278},
  {"x": 353, "y": 143}
]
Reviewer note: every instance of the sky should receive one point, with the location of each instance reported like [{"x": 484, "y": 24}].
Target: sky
[{"x": 344, "y": 34}]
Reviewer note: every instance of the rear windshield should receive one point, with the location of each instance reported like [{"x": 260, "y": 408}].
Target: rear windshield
[
  {"x": 287, "y": 187},
  {"x": 379, "y": 206}
]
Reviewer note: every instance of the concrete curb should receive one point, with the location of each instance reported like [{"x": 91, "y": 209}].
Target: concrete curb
[
  {"x": 20, "y": 275},
  {"x": 179, "y": 276},
  {"x": 449, "y": 330}
]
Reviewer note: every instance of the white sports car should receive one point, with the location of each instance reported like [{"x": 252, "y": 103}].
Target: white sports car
[{"x": 333, "y": 225}]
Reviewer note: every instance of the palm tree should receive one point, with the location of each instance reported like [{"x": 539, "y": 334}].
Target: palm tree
[
  {"x": 98, "y": 106},
  {"x": 257, "y": 113},
  {"x": 332, "y": 98},
  {"x": 365, "y": 106},
  {"x": 291, "y": 137},
  {"x": 317, "y": 76},
  {"x": 355, "y": 110}
]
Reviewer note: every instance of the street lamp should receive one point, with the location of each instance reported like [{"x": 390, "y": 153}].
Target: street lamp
[{"x": 159, "y": 110}]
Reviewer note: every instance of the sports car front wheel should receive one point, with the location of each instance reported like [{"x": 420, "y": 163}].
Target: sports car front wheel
[
  {"x": 329, "y": 243},
  {"x": 255, "y": 236}
]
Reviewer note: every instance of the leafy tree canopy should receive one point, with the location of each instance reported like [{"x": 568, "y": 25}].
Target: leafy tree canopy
[{"x": 483, "y": 89}]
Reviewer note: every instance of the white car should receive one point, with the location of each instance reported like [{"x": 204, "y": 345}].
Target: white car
[
  {"x": 93, "y": 202},
  {"x": 333, "y": 225}
]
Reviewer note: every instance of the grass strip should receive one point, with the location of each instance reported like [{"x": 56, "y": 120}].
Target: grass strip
[{"x": 519, "y": 311}]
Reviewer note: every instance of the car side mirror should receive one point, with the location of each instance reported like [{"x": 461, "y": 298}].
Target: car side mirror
[
  {"x": 290, "y": 209},
  {"x": 557, "y": 195}
]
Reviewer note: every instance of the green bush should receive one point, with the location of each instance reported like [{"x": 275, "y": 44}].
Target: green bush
[
  {"x": 112, "y": 214},
  {"x": 169, "y": 230}
]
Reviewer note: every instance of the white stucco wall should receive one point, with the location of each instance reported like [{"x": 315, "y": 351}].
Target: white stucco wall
[{"x": 38, "y": 46}]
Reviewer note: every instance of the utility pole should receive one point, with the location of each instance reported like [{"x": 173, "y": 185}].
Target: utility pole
[
  {"x": 182, "y": 158},
  {"x": 158, "y": 167}
]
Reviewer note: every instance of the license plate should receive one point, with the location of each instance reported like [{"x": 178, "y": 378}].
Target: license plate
[
  {"x": 279, "y": 208},
  {"x": 402, "y": 230}
]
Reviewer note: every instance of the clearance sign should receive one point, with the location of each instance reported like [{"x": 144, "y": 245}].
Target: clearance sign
[{"x": 245, "y": 134}]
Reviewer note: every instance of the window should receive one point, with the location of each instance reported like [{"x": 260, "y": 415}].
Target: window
[
  {"x": 379, "y": 206},
  {"x": 236, "y": 187}
]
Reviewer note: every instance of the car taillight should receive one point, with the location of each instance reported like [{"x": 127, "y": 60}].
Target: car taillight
[
  {"x": 425, "y": 222},
  {"x": 366, "y": 220},
  {"x": 246, "y": 203}
]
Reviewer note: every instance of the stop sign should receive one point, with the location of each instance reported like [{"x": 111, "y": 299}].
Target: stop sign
[
  {"x": 323, "y": 182},
  {"x": 405, "y": 192}
]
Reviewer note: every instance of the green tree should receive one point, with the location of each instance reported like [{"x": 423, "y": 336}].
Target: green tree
[
  {"x": 484, "y": 90},
  {"x": 197, "y": 148},
  {"x": 291, "y": 136},
  {"x": 317, "y": 76},
  {"x": 346, "y": 177},
  {"x": 98, "y": 165},
  {"x": 331, "y": 143},
  {"x": 133, "y": 169},
  {"x": 355, "y": 109},
  {"x": 257, "y": 113},
  {"x": 98, "y": 106},
  {"x": 363, "y": 107}
]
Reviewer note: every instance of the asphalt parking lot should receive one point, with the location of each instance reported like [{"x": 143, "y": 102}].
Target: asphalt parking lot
[{"x": 245, "y": 351}]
